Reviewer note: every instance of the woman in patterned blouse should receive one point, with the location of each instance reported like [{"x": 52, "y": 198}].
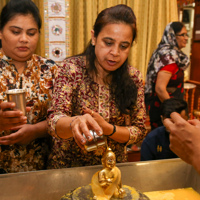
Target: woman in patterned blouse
[
  {"x": 25, "y": 149},
  {"x": 98, "y": 91}
]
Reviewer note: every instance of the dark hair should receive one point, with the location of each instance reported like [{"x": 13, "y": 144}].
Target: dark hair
[
  {"x": 173, "y": 105},
  {"x": 23, "y": 7},
  {"x": 177, "y": 26},
  {"x": 123, "y": 89},
  {"x": 116, "y": 14}
]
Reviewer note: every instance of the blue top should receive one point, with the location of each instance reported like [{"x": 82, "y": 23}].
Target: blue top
[{"x": 156, "y": 145}]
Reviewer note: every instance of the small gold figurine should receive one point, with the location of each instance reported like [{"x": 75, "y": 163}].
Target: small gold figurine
[{"x": 106, "y": 183}]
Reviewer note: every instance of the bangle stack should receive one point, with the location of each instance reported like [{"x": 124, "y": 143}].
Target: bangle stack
[{"x": 114, "y": 130}]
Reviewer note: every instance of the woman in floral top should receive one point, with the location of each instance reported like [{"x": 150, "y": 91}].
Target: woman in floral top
[
  {"x": 98, "y": 91},
  {"x": 25, "y": 149}
]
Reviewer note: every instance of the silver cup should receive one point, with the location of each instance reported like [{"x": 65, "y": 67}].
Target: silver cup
[
  {"x": 96, "y": 142},
  {"x": 17, "y": 96}
]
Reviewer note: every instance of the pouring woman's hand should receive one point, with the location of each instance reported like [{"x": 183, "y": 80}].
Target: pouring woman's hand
[
  {"x": 81, "y": 125},
  {"x": 99, "y": 119},
  {"x": 10, "y": 118}
]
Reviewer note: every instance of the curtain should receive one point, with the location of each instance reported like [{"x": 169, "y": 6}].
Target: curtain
[
  {"x": 41, "y": 44},
  {"x": 3, "y": 3},
  {"x": 152, "y": 18},
  {"x": 82, "y": 16}
]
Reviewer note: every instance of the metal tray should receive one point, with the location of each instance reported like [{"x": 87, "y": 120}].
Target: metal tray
[{"x": 53, "y": 184}]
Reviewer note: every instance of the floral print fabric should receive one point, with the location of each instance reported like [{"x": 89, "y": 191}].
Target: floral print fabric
[
  {"x": 37, "y": 78},
  {"x": 73, "y": 89}
]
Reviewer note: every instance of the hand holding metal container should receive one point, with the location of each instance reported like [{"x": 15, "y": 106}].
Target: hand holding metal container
[
  {"x": 18, "y": 97},
  {"x": 96, "y": 142}
]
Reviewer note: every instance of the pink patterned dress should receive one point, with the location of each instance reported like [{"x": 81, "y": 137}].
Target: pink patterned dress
[
  {"x": 73, "y": 89},
  {"x": 37, "y": 78}
]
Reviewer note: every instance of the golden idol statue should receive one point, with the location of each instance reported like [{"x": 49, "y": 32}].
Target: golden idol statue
[{"x": 106, "y": 183}]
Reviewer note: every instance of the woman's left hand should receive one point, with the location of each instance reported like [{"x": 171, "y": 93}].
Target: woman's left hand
[
  {"x": 100, "y": 120},
  {"x": 80, "y": 128},
  {"x": 107, "y": 128}
]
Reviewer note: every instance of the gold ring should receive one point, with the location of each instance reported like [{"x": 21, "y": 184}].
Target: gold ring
[{"x": 92, "y": 113}]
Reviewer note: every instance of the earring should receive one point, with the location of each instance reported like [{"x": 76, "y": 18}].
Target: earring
[{"x": 92, "y": 43}]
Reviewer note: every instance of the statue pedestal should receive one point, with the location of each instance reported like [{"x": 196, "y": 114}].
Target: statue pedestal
[{"x": 85, "y": 193}]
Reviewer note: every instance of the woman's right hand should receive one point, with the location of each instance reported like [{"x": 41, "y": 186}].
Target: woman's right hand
[
  {"x": 81, "y": 125},
  {"x": 10, "y": 118}
]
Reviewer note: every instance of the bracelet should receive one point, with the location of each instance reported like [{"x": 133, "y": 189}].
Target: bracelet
[
  {"x": 71, "y": 122},
  {"x": 114, "y": 130}
]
